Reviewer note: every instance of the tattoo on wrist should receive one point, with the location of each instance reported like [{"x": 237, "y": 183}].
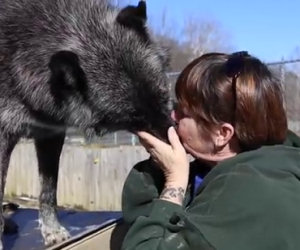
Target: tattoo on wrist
[{"x": 173, "y": 193}]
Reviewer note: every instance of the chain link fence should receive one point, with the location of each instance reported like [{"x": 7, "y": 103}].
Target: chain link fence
[
  {"x": 289, "y": 75},
  {"x": 287, "y": 71}
]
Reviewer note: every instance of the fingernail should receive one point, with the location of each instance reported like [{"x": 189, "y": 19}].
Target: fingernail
[{"x": 171, "y": 129}]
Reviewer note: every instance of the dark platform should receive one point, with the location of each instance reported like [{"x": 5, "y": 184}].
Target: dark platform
[{"x": 79, "y": 224}]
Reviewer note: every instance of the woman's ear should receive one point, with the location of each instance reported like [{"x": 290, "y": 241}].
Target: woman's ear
[{"x": 224, "y": 134}]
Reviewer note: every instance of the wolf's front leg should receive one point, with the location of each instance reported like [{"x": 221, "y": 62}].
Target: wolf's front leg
[
  {"x": 7, "y": 144},
  {"x": 48, "y": 153}
]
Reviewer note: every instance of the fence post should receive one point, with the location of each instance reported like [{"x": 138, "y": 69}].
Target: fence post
[
  {"x": 133, "y": 140},
  {"x": 282, "y": 74},
  {"x": 170, "y": 103},
  {"x": 115, "y": 138},
  {"x": 282, "y": 82}
]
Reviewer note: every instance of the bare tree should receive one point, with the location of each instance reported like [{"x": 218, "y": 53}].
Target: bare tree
[
  {"x": 201, "y": 36},
  {"x": 194, "y": 38}
]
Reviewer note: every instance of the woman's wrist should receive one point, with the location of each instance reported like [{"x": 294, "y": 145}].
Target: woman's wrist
[{"x": 174, "y": 192}]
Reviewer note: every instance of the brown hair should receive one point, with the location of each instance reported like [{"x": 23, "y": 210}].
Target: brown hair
[{"x": 237, "y": 89}]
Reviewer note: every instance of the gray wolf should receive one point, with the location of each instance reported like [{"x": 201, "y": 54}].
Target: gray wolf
[{"x": 80, "y": 63}]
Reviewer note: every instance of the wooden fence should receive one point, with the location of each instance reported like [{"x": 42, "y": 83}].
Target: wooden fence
[{"x": 90, "y": 177}]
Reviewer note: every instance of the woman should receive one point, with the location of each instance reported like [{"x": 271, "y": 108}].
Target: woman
[{"x": 231, "y": 119}]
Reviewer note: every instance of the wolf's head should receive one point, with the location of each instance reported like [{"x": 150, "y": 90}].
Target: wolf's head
[{"x": 116, "y": 69}]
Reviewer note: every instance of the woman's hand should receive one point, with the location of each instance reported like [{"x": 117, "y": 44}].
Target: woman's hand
[{"x": 172, "y": 159}]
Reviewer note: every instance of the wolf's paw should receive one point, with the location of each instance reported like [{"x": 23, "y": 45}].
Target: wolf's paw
[
  {"x": 54, "y": 235},
  {"x": 10, "y": 227}
]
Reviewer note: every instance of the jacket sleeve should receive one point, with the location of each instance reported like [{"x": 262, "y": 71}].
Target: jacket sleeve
[
  {"x": 143, "y": 184},
  {"x": 156, "y": 224},
  {"x": 165, "y": 228}
]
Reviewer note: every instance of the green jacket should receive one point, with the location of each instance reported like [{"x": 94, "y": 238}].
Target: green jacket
[{"x": 248, "y": 202}]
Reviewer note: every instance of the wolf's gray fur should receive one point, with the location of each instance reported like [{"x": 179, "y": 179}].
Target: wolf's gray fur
[{"x": 77, "y": 63}]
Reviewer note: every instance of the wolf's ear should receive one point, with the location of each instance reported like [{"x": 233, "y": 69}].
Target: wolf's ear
[
  {"x": 66, "y": 75},
  {"x": 135, "y": 17}
]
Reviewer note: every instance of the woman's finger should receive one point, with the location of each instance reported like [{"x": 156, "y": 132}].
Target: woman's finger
[
  {"x": 174, "y": 139},
  {"x": 149, "y": 139}
]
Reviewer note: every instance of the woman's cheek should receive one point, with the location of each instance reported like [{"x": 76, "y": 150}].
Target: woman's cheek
[
  {"x": 180, "y": 130},
  {"x": 184, "y": 135}
]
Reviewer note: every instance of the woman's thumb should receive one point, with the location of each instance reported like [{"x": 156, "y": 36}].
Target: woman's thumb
[{"x": 173, "y": 138}]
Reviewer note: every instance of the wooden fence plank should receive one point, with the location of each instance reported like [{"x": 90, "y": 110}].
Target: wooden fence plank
[{"x": 90, "y": 177}]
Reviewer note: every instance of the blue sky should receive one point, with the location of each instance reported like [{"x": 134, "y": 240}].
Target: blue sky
[{"x": 267, "y": 29}]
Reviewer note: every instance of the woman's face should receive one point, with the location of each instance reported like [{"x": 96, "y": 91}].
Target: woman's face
[{"x": 190, "y": 135}]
